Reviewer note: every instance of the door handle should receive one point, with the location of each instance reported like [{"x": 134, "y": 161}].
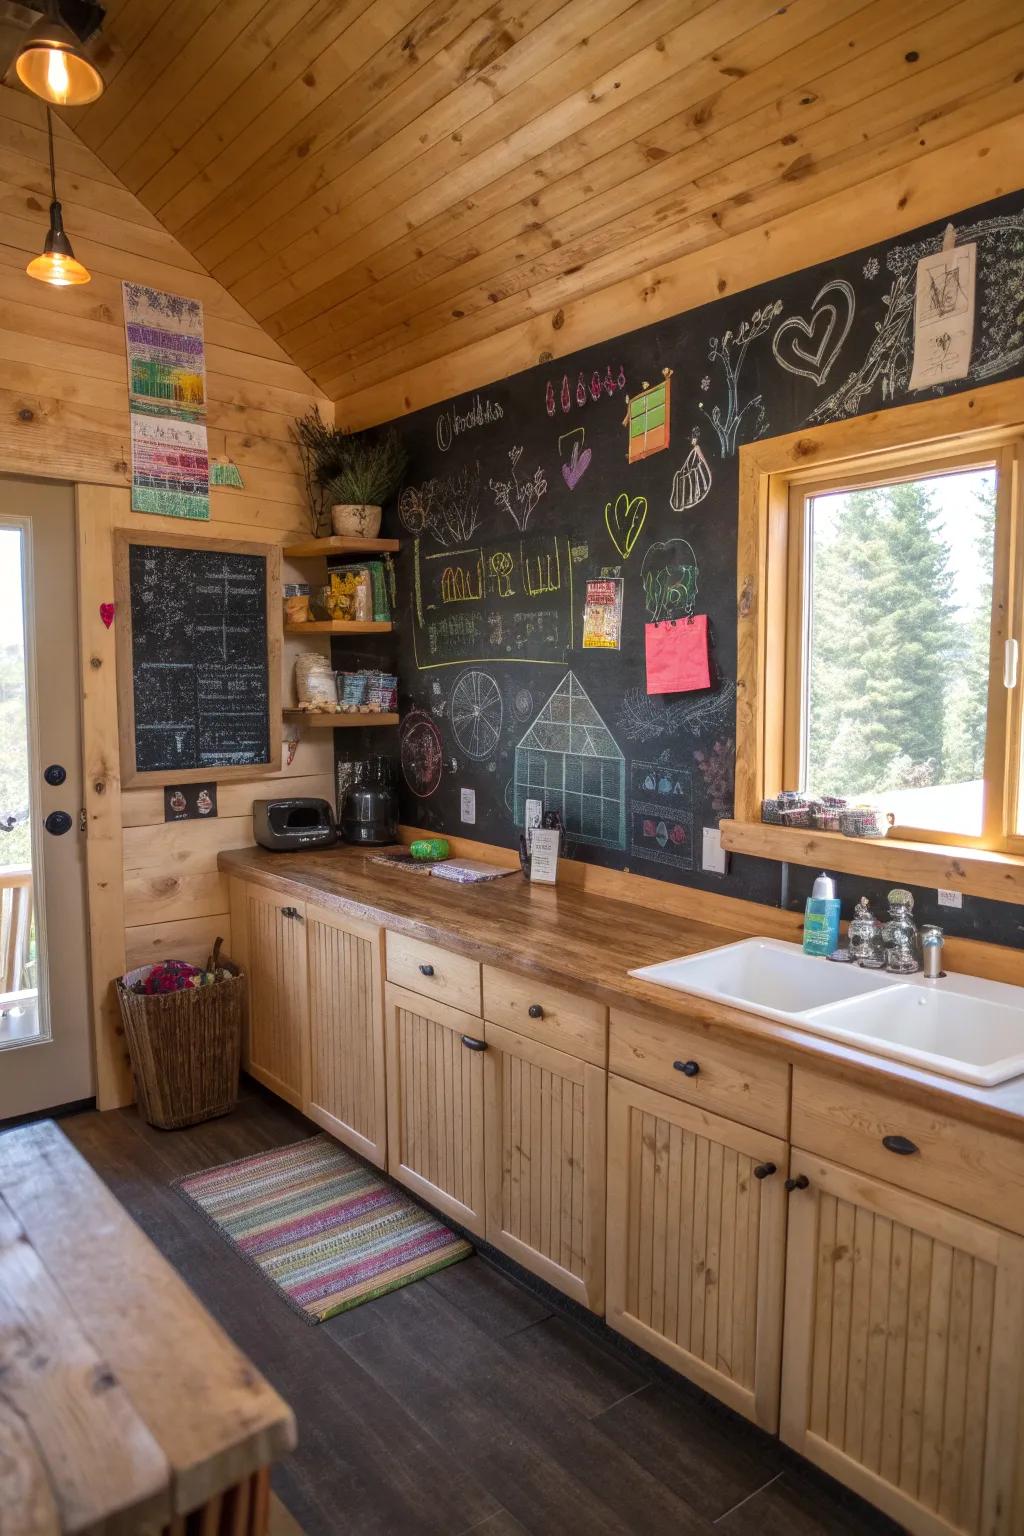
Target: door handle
[
  {"x": 687, "y": 1068},
  {"x": 902, "y": 1145},
  {"x": 291, "y": 912},
  {"x": 474, "y": 1045},
  {"x": 426, "y": 970},
  {"x": 800, "y": 1182},
  {"x": 764, "y": 1170}
]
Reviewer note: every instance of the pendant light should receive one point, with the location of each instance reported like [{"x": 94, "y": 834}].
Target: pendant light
[
  {"x": 52, "y": 65},
  {"x": 57, "y": 264}
]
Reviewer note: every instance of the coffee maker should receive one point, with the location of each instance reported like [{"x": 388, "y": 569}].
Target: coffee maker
[{"x": 369, "y": 810}]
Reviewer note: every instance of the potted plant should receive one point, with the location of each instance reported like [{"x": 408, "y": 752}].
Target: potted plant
[{"x": 348, "y": 474}]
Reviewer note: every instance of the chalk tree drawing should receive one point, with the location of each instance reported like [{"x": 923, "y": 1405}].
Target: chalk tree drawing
[
  {"x": 823, "y": 334},
  {"x": 575, "y": 466},
  {"x": 693, "y": 481},
  {"x": 624, "y": 518},
  {"x": 519, "y": 497},
  {"x": 447, "y": 508},
  {"x": 643, "y": 718},
  {"x": 670, "y": 577},
  {"x": 888, "y": 360},
  {"x": 569, "y": 760},
  {"x": 420, "y": 753},
  {"x": 476, "y": 713},
  {"x": 730, "y": 350}
]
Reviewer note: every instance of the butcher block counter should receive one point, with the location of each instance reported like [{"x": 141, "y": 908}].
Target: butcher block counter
[
  {"x": 123, "y": 1405},
  {"x": 588, "y": 944}
]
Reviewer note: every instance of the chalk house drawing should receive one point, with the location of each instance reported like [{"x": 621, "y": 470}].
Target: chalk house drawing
[
  {"x": 730, "y": 349},
  {"x": 570, "y": 761},
  {"x": 476, "y": 713},
  {"x": 810, "y": 347}
]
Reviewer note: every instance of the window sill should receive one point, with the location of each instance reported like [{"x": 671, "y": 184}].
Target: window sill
[{"x": 998, "y": 876}]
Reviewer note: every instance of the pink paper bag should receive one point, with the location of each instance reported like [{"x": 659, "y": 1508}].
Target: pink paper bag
[{"x": 677, "y": 655}]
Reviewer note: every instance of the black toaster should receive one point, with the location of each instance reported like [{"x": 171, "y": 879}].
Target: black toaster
[{"x": 285, "y": 825}]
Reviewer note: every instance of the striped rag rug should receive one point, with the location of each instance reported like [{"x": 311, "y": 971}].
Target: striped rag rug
[{"x": 326, "y": 1229}]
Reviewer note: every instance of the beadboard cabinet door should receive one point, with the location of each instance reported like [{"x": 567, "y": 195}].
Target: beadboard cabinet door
[
  {"x": 904, "y": 1337},
  {"x": 435, "y": 1093},
  {"x": 544, "y": 1113},
  {"x": 345, "y": 963},
  {"x": 268, "y": 936},
  {"x": 696, "y": 1244}
]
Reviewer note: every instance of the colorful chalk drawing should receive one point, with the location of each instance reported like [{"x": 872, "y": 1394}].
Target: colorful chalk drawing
[
  {"x": 661, "y": 814},
  {"x": 608, "y": 384},
  {"x": 569, "y": 760},
  {"x": 692, "y": 482},
  {"x": 718, "y": 770},
  {"x": 624, "y": 518},
  {"x": 575, "y": 457},
  {"x": 730, "y": 349},
  {"x": 810, "y": 347},
  {"x": 447, "y": 508},
  {"x": 420, "y": 753},
  {"x": 648, "y": 419},
  {"x": 476, "y": 713},
  {"x": 670, "y": 576},
  {"x": 518, "y": 497}
]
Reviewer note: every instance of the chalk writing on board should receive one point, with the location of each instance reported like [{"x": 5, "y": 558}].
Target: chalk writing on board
[
  {"x": 730, "y": 350},
  {"x": 518, "y": 497},
  {"x": 570, "y": 761},
  {"x": 452, "y": 424},
  {"x": 447, "y": 508},
  {"x": 810, "y": 347},
  {"x": 476, "y": 713}
]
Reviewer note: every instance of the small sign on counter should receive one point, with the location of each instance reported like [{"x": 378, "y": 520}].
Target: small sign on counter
[{"x": 544, "y": 854}]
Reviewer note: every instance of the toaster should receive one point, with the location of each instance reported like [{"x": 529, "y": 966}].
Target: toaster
[{"x": 285, "y": 825}]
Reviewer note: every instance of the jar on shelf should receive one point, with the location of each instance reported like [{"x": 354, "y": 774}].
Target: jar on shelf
[{"x": 315, "y": 681}]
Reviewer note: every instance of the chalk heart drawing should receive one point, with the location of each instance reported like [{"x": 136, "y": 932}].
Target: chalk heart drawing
[
  {"x": 579, "y": 459},
  {"x": 624, "y": 519},
  {"x": 810, "y": 347}
]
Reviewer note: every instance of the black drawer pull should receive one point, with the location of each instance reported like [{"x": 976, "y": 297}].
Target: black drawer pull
[
  {"x": 291, "y": 912},
  {"x": 535, "y": 1011},
  {"x": 764, "y": 1170},
  {"x": 687, "y": 1068},
  {"x": 426, "y": 970},
  {"x": 900, "y": 1144},
  {"x": 474, "y": 1045},
  {"x": 800, "y": 1182}
]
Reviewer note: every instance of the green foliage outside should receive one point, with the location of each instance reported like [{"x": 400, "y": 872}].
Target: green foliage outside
[
  {"x": 14, "y": 846},
  {"x": 898, "y": 669}
]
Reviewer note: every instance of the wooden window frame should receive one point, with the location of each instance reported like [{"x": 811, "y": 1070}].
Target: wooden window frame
[{"x": 775, "y": 476}]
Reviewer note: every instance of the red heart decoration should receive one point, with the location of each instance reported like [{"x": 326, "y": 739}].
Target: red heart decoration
[{"x": 107, "y": 613}]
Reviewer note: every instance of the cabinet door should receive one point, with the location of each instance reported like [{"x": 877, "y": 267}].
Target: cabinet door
[
  {"x": 268, "y": 933},
  {"x": 696, "y": 1244},
  {"x": 435, "y": 1073},
  {"x": 904, "y": 1335},
  {"x": 544, "y": 1114},
  {"x": 346, "y": 1030}
]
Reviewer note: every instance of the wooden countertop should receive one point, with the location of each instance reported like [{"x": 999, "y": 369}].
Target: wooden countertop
[
  {"x": 124, "y": 1405},
  {"x": 589, "y": 944}
]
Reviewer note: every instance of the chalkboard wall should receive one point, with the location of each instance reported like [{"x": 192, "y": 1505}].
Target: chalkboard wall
[{"x": 520, "y": 493}]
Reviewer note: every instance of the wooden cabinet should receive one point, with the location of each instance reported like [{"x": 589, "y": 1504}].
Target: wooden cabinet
[
  {"x": 547, "y": 1014},
  {"x": 346, "y": 1093},
  {"x": 435, "y": 1092},
  {"x": 904, "y": 1335},
  {"x": 436, "y": 973},
  {"x": 544, "y": 1117},
  {"x": 696, "y": 1244},
  {"x": 268, "y": 935}
]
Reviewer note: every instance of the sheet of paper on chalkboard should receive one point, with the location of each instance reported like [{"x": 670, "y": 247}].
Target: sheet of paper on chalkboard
[
  {"x": 170, "y": 467},
  {"x": 943, "y": 316},
  {"x": 602, "y": 615},
  {"x": 677, "y": 655}
]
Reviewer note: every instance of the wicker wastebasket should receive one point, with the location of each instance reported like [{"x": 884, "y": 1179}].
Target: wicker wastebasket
[{"x": 184, "y": 1046}]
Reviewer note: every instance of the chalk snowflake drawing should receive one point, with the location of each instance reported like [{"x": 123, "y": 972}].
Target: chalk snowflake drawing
[
  {"x": 692, "y": 482},
  {"x": 519, "y": 497},
  {"x": 810, "y": 347},
  {"x": 670, "y": 577},
  {"x": 730, "y": 350},
  {"x": 643, "y": 718},
  {"x": 476, "y": 713},
  {"x": 569, "y": 760},
  {"x": 447, "y": 508}
]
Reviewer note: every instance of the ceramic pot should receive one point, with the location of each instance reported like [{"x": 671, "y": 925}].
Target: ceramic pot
[{"x": 351, "y": 521}]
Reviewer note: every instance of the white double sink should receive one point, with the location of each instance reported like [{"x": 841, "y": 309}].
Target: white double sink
[{"x": 959, "y": 1026}]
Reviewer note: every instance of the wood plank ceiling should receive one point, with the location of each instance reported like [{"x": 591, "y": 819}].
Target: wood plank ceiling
[{"x": 384, "y": 182}]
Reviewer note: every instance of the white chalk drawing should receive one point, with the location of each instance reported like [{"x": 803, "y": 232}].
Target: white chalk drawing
[
  {"x": 569, "y": 760},
  {"x": 871, "y": 268},
  {"x": 643, "y": 718},
  {"x": 420, "y": 753},
  {"x": 887, "y": 363},
  {"x": 519, "y": 497},
  {"x": 661, "y": 814},
  {"x": 624, "y": 518},
  {"x": 810, "y": 347},
  {"x": 522, "y": 703},
  {"x": 693, "y": 481},
  {"x": 448, "y": 508},
  {"x": 476, "y": 713},
  {"x": 452, "y": 424},
  {"x": 575, "y": 457},
  {"x": 730, "y": 350},
  {"x": 943, "y": 316},
  {"x": 670, "y": 577}
]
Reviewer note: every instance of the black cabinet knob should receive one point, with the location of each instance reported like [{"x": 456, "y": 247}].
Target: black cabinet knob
[
  {"x": 57, "y": 823},
  {"x": 687, "y": 1068},
  {"x": 291, "y": 912},
  {"x": 55, "y": 775},
  {"x": 426, "y": 970},
  {"x": 902, "y": 1145},
  {"x": 474, "y": 1045},
  {"x": 764, "y": 1170},
  {"x": 535, "y": 1011},
  {"x": 800, "y": 1182}
]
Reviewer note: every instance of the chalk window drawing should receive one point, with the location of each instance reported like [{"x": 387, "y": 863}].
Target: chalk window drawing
[
  {"x": 476, "y": 713},
  {"x": 648, "y": 419},
  {"x": 810, "y": 347},
  {"x": 693, "y": 481},
  {"x": 730, "y": 350},
  {"x": 570, "y": 761},
  {"x": 420, "y": 753},
  {"x": 519, "y": 497}
]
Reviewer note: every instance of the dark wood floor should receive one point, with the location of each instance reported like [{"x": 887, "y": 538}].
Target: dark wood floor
[{"x": 466, "y": 1402}]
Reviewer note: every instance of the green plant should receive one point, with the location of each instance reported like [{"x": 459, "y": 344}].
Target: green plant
[
  {"x": 320, "y": 448},
  {"x": 372, "y": 464}
]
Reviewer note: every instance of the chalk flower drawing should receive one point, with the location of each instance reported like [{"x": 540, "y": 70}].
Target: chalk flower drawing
[
  {"x": 888, "y": 359},
  {"x": 519, "y": 497},
  {"x": 448, "y": 508},
  {"x": 718, "y": 770},
  {"x": 871, "y": 268},
  {"x": 730, "y": 350},
  {"x": 705, "y": 383}
]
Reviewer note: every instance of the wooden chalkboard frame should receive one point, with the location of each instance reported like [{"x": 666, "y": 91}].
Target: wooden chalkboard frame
[{"x": 126, "y": 539}]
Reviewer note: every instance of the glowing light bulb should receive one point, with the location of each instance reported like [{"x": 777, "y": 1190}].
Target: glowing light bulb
[{"x": 57, "y": 78}]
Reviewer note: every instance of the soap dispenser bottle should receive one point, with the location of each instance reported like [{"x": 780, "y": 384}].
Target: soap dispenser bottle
[{"x": 821, "y": 917}]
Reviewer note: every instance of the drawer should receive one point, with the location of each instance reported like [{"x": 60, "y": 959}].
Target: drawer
[
  {"x": 974, "y": 1170},
  {"x": 434, "y": 972},
  {"x": 749, "y": 1086},
  {"x": 547, "y": 1014}
]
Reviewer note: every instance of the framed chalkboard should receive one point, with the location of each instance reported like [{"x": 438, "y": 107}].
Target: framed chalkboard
[{"x": 198, "y": 657}]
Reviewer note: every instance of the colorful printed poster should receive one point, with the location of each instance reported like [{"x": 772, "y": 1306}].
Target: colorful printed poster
[
  {"x": 602, "y": 615},
  {"x": 170, "y": 467},
  {"x": 167, "y": 399}
]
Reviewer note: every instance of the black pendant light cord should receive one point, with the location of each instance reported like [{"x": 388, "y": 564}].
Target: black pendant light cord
[{"x": 53, "y": 174}]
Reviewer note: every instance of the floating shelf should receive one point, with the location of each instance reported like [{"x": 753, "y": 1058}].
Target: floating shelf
[
  {"x": 318, "y": 548},
  {"x": 339, "y": 627},
  {"x": 338, "y": 722}
]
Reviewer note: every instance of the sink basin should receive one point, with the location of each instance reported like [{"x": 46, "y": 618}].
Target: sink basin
[{"x": 959, "y": 1026}]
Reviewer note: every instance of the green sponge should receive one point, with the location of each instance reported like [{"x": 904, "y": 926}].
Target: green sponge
[{"x": 429, "y": 849}]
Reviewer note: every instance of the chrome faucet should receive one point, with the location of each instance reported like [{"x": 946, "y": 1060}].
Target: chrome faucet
[{"x": 932, "y": 940}]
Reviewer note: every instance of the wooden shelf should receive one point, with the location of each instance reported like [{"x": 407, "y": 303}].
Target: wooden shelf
[
  {"x": 338, "y": 722},
  {"x": 339, "y": 627},
  {"x": 314, "y": 549},
  {"x": 999, "y": 876}
]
